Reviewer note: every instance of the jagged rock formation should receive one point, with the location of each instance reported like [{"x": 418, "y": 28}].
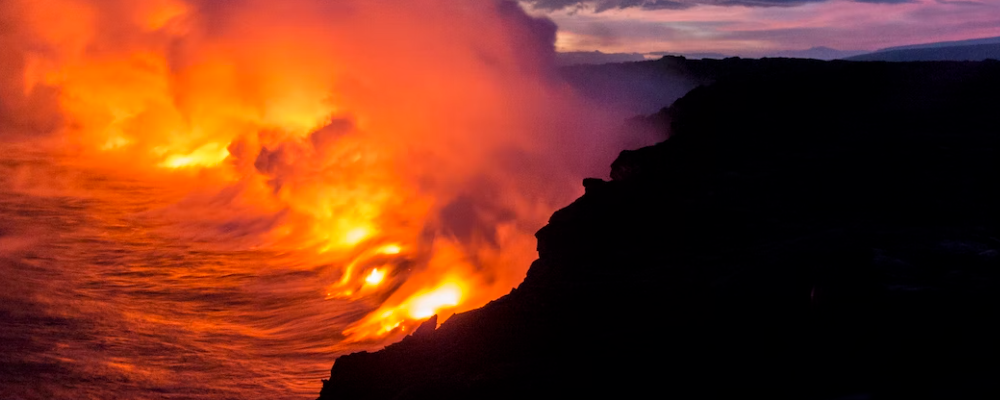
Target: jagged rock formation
[{"x": 810, "y": 230}]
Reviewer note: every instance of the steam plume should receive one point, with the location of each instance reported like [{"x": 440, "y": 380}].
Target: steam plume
[{"x": 409, "y": 150}]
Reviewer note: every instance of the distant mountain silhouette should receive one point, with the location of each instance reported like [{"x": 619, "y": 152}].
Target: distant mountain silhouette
[
  {"x": 954, "y": 43},
  {"x": 963, "y": 50},
  {"x": 569, "y": 58},
  {"x": 693, "y": 56},
  {"x": 818, "y": 53},
  {"x": 811, "y": 230}
]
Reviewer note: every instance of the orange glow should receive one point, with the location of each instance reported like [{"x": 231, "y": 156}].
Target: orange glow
[
  {"x": 156, "y": 14},
  {"x": 426, "y": 305},
  {"x": 411, "y": 178},
  {"x": 419, "y": 306}
]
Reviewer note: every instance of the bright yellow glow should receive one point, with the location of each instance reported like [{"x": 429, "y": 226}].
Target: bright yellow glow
[
  {"x": 357, "y": 235},
  {"x": 391, "y": 249},
  {"x": 427, "y": 305},
  {"x": 375, "y": 277},
  {"x": 205, "y": 156},
  {"x": 389, "y": 327}
]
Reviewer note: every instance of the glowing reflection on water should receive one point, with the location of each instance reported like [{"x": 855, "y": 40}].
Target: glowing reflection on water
[{"x": 97, "y": 301}]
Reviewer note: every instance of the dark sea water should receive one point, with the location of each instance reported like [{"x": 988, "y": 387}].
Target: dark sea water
[{"x": 99, "y": 301}]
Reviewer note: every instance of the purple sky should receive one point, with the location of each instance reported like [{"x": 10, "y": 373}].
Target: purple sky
[{"x": 757, "y": 27}]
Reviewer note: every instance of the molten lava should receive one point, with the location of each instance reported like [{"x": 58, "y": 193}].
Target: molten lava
[
  {"x": 406, "y": 152},
  {"x": 375, "y": 277}
]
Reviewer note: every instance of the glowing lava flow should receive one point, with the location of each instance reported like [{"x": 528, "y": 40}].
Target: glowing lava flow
[
  {"x": 375, "y": 277},
  {"x": 410, "y": 177}
]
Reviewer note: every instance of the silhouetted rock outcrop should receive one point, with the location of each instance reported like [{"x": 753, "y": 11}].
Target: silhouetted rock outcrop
[
  {"x": 810, "y": 230},
  {"x": 426, "y": 328}
]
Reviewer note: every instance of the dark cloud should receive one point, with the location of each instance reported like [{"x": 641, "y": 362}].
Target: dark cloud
[
  {"x": 960, "y": 3},
  {"x": 604, "y": 5},
  {"x": 885, "y": 1}
]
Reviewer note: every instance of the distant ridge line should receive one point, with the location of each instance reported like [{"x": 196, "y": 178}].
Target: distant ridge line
[
  {"x": 975, "y": 52},
  {"x": 953, "y": 43}
]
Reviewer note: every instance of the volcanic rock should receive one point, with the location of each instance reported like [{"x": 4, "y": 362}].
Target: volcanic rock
[
  {"x": 811, "y": 230},
  {"x": 427, "y": 327}
]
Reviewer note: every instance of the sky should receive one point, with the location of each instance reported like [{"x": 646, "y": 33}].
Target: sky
[{"x": 759, "y": 27}]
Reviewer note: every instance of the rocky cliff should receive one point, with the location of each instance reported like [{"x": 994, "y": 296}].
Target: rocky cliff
[{"x": 811, "y": 230}]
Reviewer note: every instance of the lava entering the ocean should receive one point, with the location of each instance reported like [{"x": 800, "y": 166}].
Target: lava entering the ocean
[{"x": 406, "y": 150}]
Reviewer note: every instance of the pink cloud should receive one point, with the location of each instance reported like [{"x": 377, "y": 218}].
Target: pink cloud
[{"x": 750, "y": 31}]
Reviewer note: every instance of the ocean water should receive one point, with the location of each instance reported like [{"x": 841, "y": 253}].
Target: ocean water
[{"x": 99, "y": 301}]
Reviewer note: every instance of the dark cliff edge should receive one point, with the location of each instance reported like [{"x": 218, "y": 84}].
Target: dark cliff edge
[{"x": 811, "y": 230}]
